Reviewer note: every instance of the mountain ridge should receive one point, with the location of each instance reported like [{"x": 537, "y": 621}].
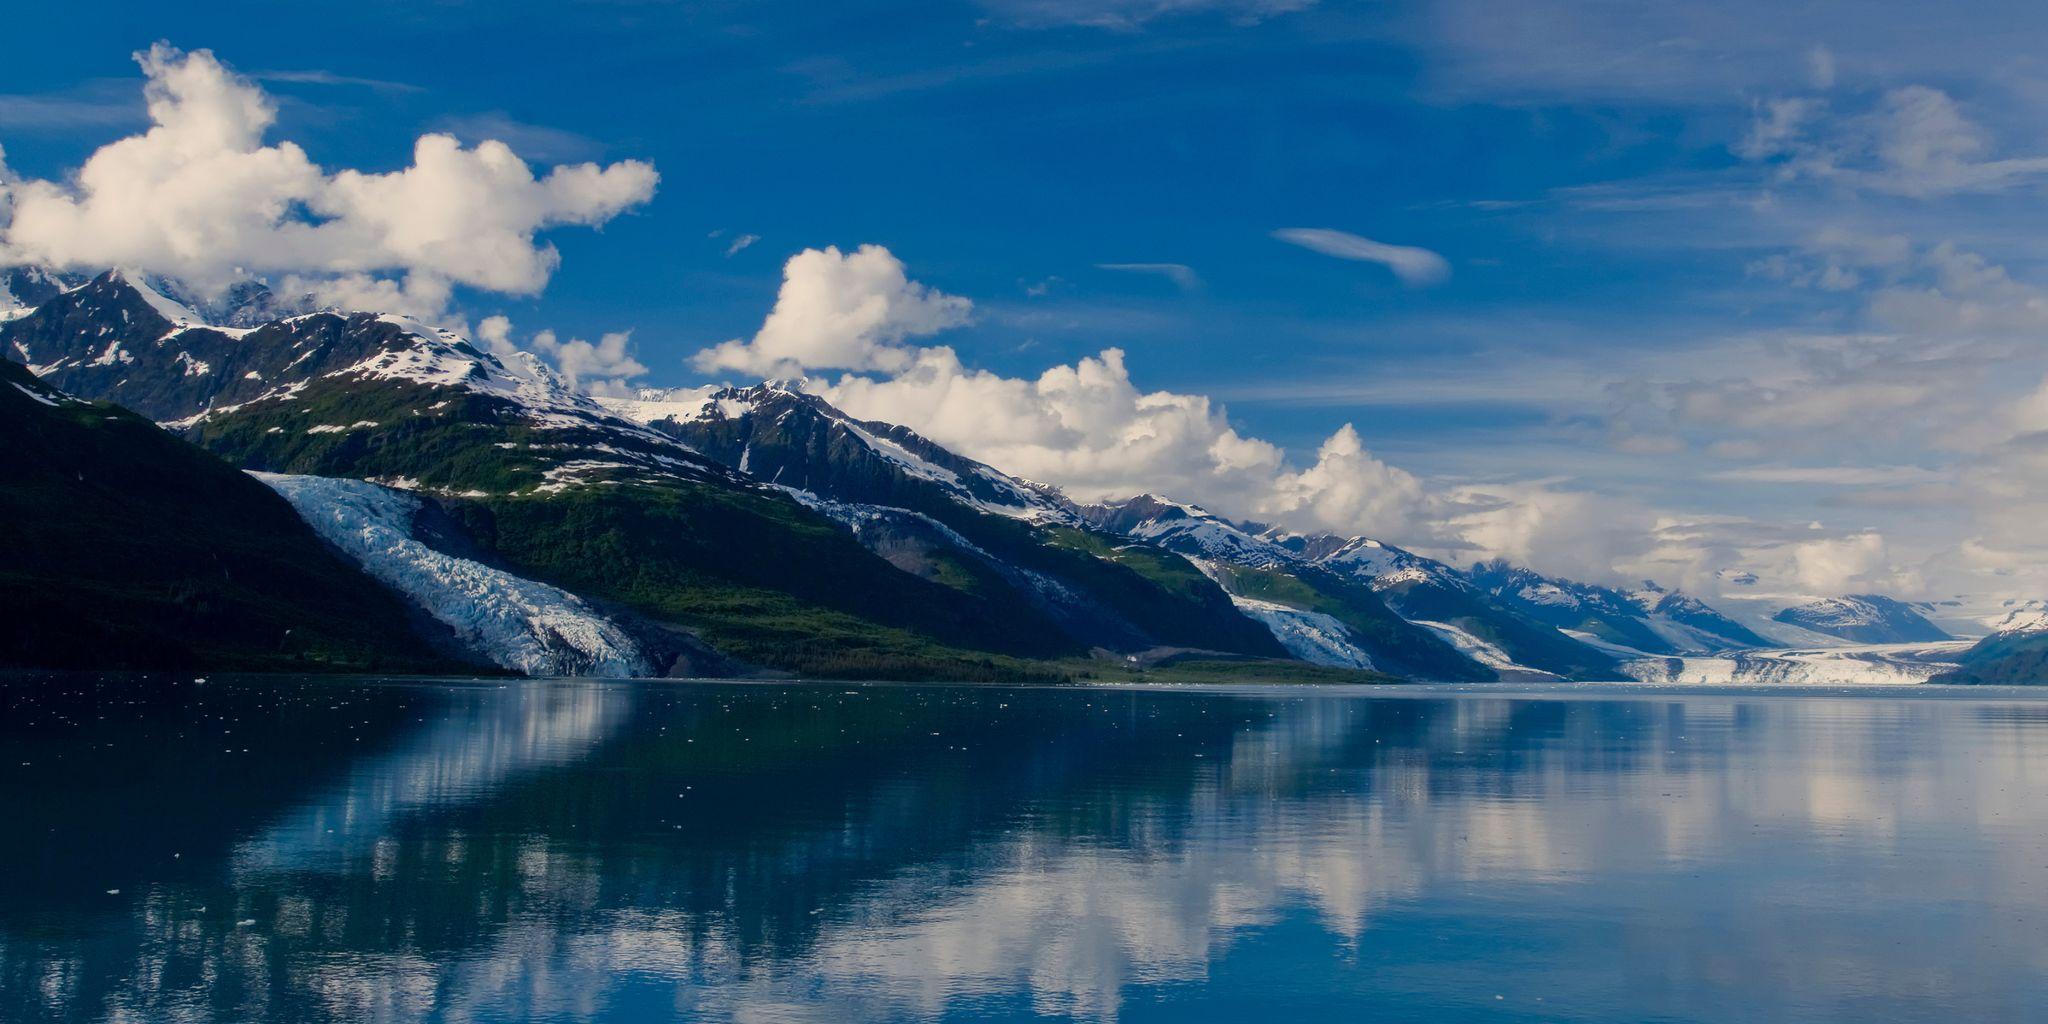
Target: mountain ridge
[
  {"x": 479, "y": 437},
  {"x": 132, "y": 549},
  {"x": 1863, "y": 618}
]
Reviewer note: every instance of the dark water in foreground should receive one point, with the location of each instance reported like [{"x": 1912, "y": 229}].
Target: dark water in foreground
[{"x": 321, "y": 850}]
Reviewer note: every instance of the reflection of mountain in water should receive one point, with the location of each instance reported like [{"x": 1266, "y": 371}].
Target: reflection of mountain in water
[
  {"x": 485, "y": 739},
  {"x": 585, "y": 850}
]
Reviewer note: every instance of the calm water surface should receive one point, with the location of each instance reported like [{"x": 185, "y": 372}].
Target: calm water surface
[{"x": 316, "y": 850}]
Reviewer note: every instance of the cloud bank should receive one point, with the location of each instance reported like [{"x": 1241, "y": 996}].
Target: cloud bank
[{"x": 1088, "y": 428}]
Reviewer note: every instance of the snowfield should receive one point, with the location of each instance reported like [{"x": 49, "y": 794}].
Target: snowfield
[{"x": 517, "y": 623}]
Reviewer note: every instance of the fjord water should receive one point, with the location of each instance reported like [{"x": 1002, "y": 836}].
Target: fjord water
[{"x": 316, "y": 850}]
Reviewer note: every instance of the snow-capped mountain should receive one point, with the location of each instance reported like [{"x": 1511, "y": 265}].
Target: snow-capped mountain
[
  {"x": 308, "y": 392},
  {"x": 2015, "y": 652},
  {"x": 777, "y": 433},
  {"x": 1191, "y": 530},
  {"x": 1650, "y": 620},
  {"x": 1865, "y": 619},
  {"x": 247, "y": 303},
  {"x": 1737, "y": 577},
  {"x": 762, "y": 527},
  {"x": 1385, "y": 567},
  {"x": 1318, "y": 614},
  {"x": 2021, "y": 618},
  {"x": 1703, "y": 625},
  {"x": 1431, "y": 599},
  {"x": 961, "y": 564},
  {"x": 934, "y": 513},
  {"x": 22, "y": 288}
]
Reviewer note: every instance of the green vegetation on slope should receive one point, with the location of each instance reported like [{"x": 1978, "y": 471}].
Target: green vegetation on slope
[
  {"x": 1198, "y": 614},
  {"x": 761, "y": 579},
  {"x": 444, "y": 438},
  {"x": 130, "y": 549},
  {"x": 1394, "y": 640},
  {"x": 2020, "y": 660},
  {"x": 1525, "y": 640}
]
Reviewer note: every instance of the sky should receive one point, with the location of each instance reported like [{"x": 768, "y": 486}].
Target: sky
[{"x": 1686, "y": 291}]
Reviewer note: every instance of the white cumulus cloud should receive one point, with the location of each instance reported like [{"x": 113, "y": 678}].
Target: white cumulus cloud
[
  {"x": 1085, "y": 426},
  {"x": 200, "y": 196},
  {"x": 602, "y": 367},
  {"x": 850, "y": 310}
]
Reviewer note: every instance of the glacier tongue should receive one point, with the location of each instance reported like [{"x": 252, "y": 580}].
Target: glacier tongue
[
  {"x": 1486, "y": 653},
  {"x": 1851, "y": 665},
  {"x": 517, "y": 623},
  {"x": 1311, "y": 636}
]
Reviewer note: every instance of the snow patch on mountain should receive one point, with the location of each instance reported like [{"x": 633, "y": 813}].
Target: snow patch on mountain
[
  {"x": 178, "y": 314},
  {"x": 776, "y": 402},
  {"x": 518, "y": 623},
  {"x": 23, "y": 288},
  {"x": 39, "y": 398},
  {"x": 1865, "y": 619},
  {"x": 2021, "y": 617},
  {"x": 1385, "y": 566},
  {"x": 1190, "y": 530}
]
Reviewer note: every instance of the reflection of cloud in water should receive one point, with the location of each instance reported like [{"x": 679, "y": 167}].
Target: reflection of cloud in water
[
  {"x": 1566, "y": 826},
  {"x": 1075, "y": 924}
]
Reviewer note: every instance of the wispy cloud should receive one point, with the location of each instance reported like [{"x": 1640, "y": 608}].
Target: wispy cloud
[
  {"x": 533, "y": 141},
  {"x": 1917, "y": 141},
  {"x": 1128, "y": 15},
  {"x": 1832, "y": 476},
  {"x": 740, "y": 243},
  {"x": 318, "y": 77},
  {"x": 1179, "y": 273},
  {"x": 1415, "y": 267},
  {"x": 97, "y": 104}
]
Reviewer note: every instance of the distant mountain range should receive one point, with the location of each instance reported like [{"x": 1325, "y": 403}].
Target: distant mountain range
[{"x": 499, "y": 516}]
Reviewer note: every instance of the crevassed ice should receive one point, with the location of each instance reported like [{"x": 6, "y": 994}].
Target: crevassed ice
[
  {"x": 1311, "y": 636},
  {"x": 1850, "y": 665},
  {"x": 517, "y": 623},
  {"x": 1479, "y": 650}
]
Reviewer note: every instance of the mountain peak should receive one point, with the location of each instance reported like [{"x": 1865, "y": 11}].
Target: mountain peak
[
  {"x": 783, "y": 435},
  {"x": 1863, "y": 618},
  {"x": 26, "y": 286}
]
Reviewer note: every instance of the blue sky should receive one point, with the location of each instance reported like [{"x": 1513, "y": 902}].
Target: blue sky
[{"x": 1658, "y": 219}]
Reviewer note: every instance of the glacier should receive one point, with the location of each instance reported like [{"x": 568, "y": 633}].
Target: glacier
[
  {"x": 1311, "y": 636},
  {"x": 517, "y": 623},
  {"x": 1901, "y": 664},
  {"x": 1486, "y": 653}
]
